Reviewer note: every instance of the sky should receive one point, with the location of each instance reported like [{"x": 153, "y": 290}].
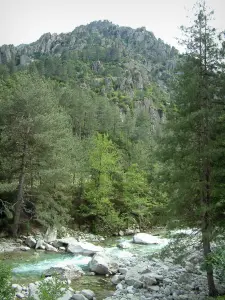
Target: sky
[{"x": 24, "y": 21}]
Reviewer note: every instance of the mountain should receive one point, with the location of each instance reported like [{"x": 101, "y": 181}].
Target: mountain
[
  {"x": 107, "y": 87},
  {"x": 129, "y": 66}
]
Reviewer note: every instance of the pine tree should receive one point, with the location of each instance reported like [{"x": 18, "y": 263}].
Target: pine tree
[
  {"x": 34, "y": 146},
  {"x": 191, "y": 145}
]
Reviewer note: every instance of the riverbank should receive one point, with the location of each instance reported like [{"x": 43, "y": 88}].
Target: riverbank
[{"x": 138, "y": 272}]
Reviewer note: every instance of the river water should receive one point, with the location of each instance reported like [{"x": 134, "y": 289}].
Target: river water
[{"x": 28, "y": 266}]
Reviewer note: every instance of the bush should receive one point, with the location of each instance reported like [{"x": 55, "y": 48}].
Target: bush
[
  {"x": 6, "y": 291},
  {"x": 51, "y": 289}
]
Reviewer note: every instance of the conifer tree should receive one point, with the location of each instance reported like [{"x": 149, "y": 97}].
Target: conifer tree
[
  {"x": 34, "y": 140},
  {"x": 192, "y": 145}
]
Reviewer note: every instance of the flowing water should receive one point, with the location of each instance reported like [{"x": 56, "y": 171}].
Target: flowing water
[{"x": 28, "y": 266}]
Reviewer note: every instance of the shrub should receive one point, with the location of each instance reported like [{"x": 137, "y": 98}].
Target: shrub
[{"x": 6, "y": 290}]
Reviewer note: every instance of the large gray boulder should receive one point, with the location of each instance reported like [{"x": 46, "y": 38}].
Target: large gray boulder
[
  {"x": 30, "y": 241},
  {"x": 66, "y": 272},
  {"x": 76, "y": 247},
  {"x": 145, "y": 238},
  {"x": 89, "y": 294},
  {"x": 50, "y": 248},
  {"x": 102, "y": 264},
  {"x": 84, "y": 248},
  {"x": 40, "y": 244},
  {"x": 50, "y": 235}
]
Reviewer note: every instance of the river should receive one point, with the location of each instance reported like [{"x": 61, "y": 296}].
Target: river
[{"x": 28, "y": 266}]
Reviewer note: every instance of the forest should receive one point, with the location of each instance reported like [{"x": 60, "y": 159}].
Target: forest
[{"x": 116, "y": 133}]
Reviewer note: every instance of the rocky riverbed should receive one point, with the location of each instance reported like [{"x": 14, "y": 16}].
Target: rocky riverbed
[{"x": 127, "y": 269}]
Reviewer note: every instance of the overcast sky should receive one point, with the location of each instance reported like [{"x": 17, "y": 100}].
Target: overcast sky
[{"x": 24, "y": 21}]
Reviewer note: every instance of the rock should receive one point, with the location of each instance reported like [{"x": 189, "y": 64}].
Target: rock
[
  {"x": 19, "y": 241},
  {"x": 123, "y": 270},
  {"x": 30, "y": 241},
  {"x": 62, "y": 248},
  {"x": 24, "y": 248},
  {"x": 17, "y": 287},
  {"x": 119, "y": 286},
  {"x": 134, "y": 282},
  {"x": 50, "y": 248},
  {"x": 20, "y": 295},
  {"x": 67, "y": 296},
  {"x": 145, "y": 238},
  {"x": 83, "y": 248},
  {"x": 130, "y": 290},
  {"x": 78, "y": 297},
  {"x": 115, "y": 279},
  {"x": 66, "y": 272},
  {"x": 148, "y": 279},
  {"x": 50, "y": 235},
  {"x": 124, "y": 245},
  {"x": 102, "y": 265},
  {"x": 89, "y": 294},
  {"x": 121, "y": 233},
  {"x": 40, "y": 244},
  {"x": 74, "y": 246},
  {"x": 33, "y": 291},
  {"x": 154, "y": 288}
]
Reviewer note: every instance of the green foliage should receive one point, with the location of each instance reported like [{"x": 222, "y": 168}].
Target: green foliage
[
  {"x": 217, "y": 260},
  {"x": 51, "y": 289},
  {"x": 6, "y": 291}
]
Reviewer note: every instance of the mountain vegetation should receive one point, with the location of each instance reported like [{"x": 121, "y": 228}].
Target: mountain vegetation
[
  {"x": 80, "y": 112},
  {"x": 108, "y": 127}
]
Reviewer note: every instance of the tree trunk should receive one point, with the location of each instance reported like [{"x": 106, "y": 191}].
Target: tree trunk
[
  {"x": 19, "y": 199},
  {"x": 206, "y": 251}
]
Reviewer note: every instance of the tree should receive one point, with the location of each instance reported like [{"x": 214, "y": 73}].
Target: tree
[
  {"x": 99, "y": 191},
  {"x": 34, "y": 146},
  {"x": 192, "y": 145}
]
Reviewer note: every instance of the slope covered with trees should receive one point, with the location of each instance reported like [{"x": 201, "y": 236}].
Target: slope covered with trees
[{"x": 78, "y": 120}]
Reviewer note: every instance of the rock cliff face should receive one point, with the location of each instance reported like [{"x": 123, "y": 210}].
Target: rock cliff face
[
  {"x": 104, "y": 57},
  {"x": 139, "y": 44}
]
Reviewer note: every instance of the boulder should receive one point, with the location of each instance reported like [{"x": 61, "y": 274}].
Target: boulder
[
  {"x": 66, "y": 272},
  {"x": 148, "y": 279},
  {"x": 89, "y": 294},
  {"x": 124, "y": 245},
  {"x": 50, "y": 235},
  {"x": 20, "y": 295},
  {"x": 83, "y": 248},
  {"x": 102, "y": 265},
  {"x": 76, "y": 247},
  {"x": 145, "y": 238},
  {"x": 50, "y": 248},
  {"x": 33, "y": 291},
  {"x": 66, "y": 296},
  {"x": 24, "y": 248},
  {"x": 115, "y": 279},
  {"x": 17, "y": 287},
  {"x": 78, "y": 297},
  {"x": 40, "y": 244},
  {"x": 30, "y": 241}
]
